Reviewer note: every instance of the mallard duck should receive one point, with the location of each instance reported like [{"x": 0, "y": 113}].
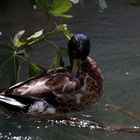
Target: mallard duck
[{"x": 59, "y": 90}]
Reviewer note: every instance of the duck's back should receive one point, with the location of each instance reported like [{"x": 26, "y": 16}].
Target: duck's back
[{"x": 58, "y": 81}]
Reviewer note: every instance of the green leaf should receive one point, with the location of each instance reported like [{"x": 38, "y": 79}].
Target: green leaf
[
  {"x": 58, "y": 59},
  {"x": 60, "y": 7},
  {"x": 64, "y": 29},
  {"x": 45, "y": 4},
  {"x": 35, "y": 35},
  {"x": 135, "y": 2},
  {"x": 23, "y": 50},
  {"x": 17, "y": 37},
  {"x": 63, "y": 52},
  {"x": 9, "y": 64},
  {"x": 56, "y": 7},
  {"x": 62, "y": 15},
  {"x": 34, "y": 69}
]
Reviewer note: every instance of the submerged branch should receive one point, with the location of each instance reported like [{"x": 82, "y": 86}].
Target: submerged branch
[{"x": 124, "y": 111}]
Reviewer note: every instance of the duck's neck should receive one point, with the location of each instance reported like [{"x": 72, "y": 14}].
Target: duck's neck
[{"x": 91, "y": 68}]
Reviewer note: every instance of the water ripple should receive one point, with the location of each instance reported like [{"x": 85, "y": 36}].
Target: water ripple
[{"x": 10, "y": 137}]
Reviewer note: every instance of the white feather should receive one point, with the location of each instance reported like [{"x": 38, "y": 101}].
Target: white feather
[{"x": 11, "y": 101}]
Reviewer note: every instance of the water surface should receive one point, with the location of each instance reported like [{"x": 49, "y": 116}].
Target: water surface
[{"x": 115, "y": 39}]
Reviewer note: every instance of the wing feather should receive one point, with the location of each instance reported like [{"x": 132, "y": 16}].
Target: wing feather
[{"x": 58, "y": 81}]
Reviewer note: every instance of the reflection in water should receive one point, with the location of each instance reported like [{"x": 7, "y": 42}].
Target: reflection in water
[
  {"x": 96, "y": 126},
  {"x": 9, "y": 136}
]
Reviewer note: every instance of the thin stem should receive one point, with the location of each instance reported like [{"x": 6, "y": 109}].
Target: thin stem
[
  {"x": 41, "y": 38},
  {"x": 23, "y": 58},
  {"x": 54, "y": 44},
  {"x": 6, "y": 61}
]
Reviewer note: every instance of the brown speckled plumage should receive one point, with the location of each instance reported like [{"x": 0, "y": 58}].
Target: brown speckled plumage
[{"x": 70, "y": 93}]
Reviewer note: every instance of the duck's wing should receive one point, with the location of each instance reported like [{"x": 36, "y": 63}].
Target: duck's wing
[
  {"x": 59, "y": 81},
  {"x": 19, "y": 84}
]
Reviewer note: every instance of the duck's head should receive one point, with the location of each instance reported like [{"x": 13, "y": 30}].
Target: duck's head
[{"x": 78, "y": 49}]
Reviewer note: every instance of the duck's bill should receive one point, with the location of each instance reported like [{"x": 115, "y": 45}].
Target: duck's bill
[{"x": 75, "y": 67}]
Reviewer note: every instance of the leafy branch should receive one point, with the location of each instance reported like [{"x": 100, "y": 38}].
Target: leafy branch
[{"x": 11, "y": 57}]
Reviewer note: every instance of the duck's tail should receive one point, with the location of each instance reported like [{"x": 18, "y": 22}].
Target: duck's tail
[
  {"x": 30, "y": 106},
  {"x": 15, "y": 103},
  {"x": 11, "y": 101}
]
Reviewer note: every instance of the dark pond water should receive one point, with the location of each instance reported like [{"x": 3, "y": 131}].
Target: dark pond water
[{"x": 115, "y": 39}]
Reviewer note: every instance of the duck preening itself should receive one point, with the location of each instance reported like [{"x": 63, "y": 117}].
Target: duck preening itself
[{"x": 59, "y": 90}]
